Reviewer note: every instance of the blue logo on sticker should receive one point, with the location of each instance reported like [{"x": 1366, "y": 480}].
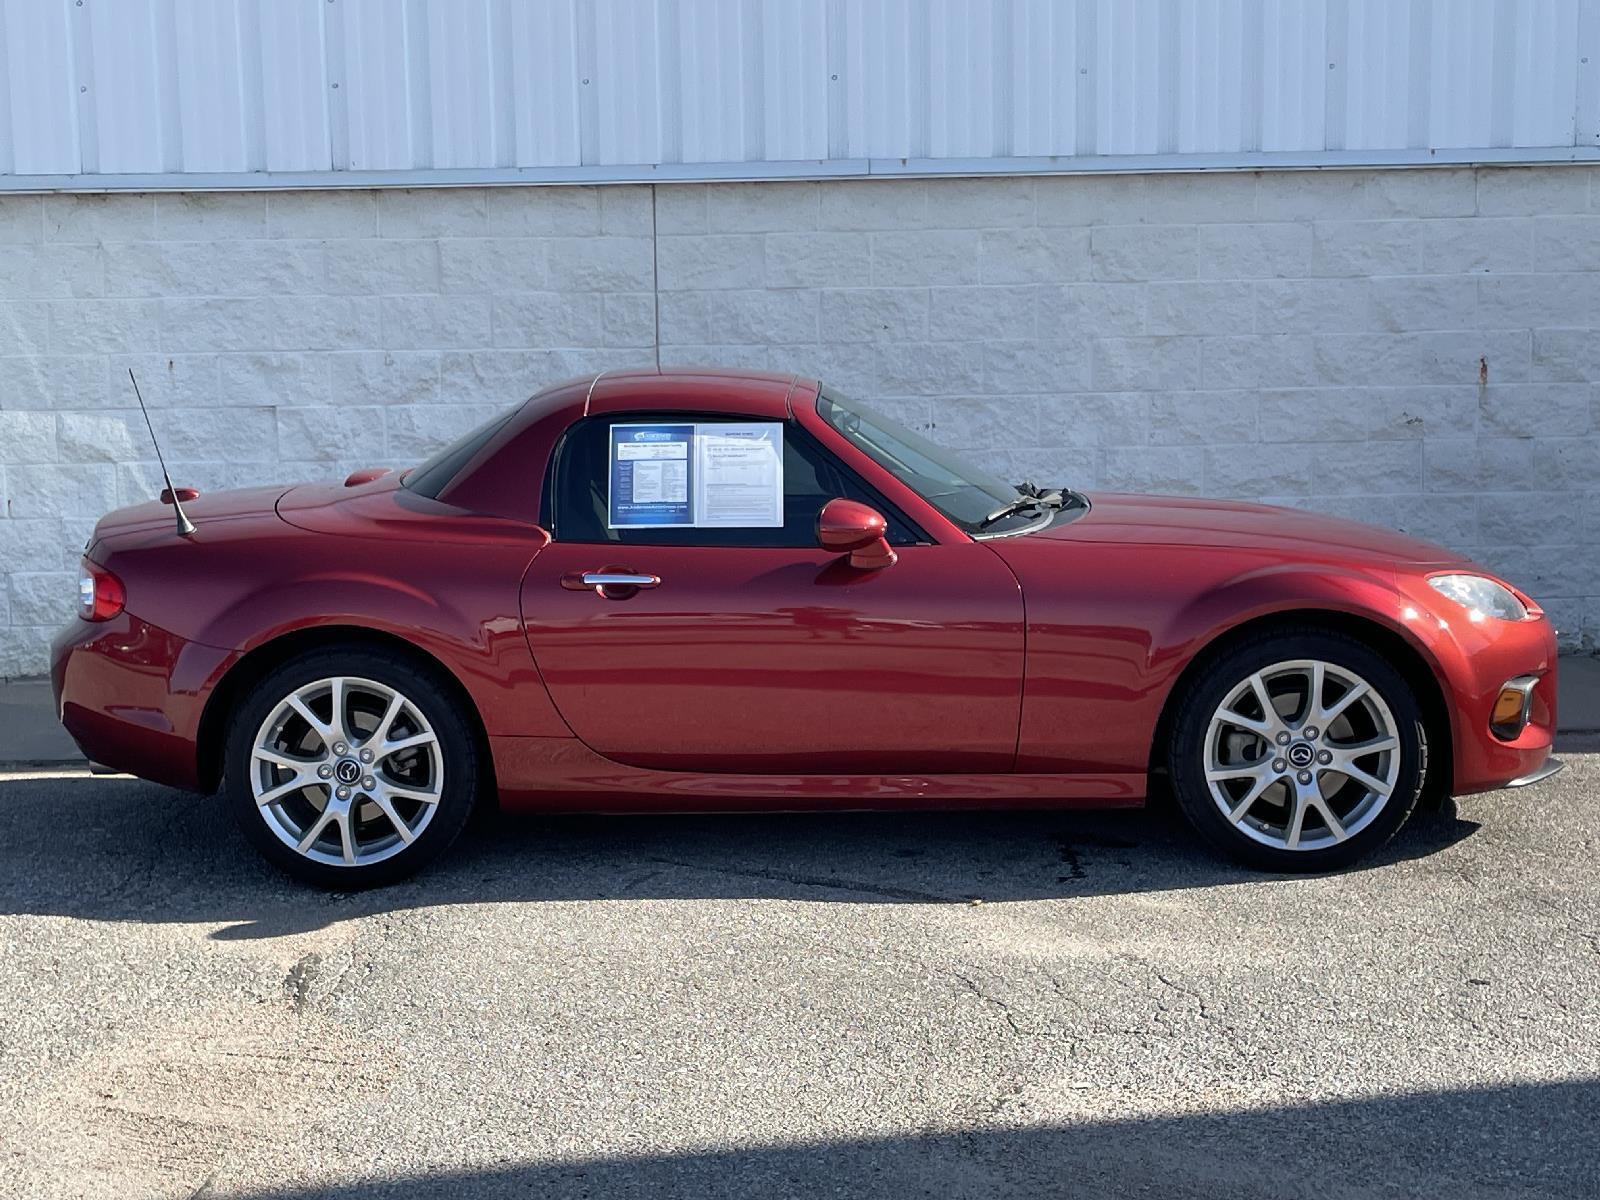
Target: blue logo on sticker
[{"x": 645, "y": 435}]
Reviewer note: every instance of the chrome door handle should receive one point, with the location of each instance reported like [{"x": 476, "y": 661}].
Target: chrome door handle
[
  {"x": 614, "y": 585},
  {"x": 602, "y": 579}
]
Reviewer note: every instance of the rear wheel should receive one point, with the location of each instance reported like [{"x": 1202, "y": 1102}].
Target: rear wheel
[
  {"x": 1298, "y": 751},
  {"x": 350, "y": 769}
]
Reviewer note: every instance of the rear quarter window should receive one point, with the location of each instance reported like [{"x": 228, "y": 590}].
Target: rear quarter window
[{"x": 435, "y": 474}]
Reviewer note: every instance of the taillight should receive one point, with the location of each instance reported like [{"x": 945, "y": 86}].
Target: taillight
[{"x": 100, "y": 593}]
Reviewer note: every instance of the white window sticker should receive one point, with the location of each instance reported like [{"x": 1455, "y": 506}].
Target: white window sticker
[
  {"x": 715, "y": 475},
  {"x": 739, "y": 476}
]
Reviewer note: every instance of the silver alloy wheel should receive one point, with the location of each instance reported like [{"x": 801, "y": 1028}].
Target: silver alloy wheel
[
  {"x": 346, "y": 771},
  {"x": 1302, "y": 755}
]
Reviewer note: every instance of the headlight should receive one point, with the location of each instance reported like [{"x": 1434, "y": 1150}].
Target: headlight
[{"x": 1481, "y": 596}]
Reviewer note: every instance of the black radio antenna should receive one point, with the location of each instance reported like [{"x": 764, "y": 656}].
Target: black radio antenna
[{"x": 185, "y": 526}]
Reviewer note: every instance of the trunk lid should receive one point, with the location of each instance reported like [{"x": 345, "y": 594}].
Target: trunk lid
[{"x": 139, "y": 521}]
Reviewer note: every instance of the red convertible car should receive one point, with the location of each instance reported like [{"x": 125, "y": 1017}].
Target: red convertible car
[{"x": 714, "y": 590}]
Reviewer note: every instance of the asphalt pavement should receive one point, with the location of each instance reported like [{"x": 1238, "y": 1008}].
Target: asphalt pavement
[{"x": 952, "y": 1005}]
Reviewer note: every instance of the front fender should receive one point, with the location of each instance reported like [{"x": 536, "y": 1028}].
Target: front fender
[
  {"x": 1275, "y": 589},
  {"x": 1380, "y": 599},
  {"x": 1111, "y": 628}
]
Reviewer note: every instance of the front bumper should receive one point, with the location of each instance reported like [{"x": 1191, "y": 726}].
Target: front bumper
[
  {"x": 1474, "y": 661},
  {"x": 1483, "y": 760},
  {"x": 132, "y": 695},
  {"x": 1552, "y": 766}
]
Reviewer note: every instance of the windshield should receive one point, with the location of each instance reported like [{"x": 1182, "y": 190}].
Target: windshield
[{"x": 966, "y": 495}]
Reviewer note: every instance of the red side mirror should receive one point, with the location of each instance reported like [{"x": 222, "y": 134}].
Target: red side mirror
[{"x": 850, "y": 527}]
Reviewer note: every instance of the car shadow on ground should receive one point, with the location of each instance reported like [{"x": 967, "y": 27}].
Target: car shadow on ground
[
  {"x": 118, "y": 849},
  {"x": 1528, "y": 1140}
]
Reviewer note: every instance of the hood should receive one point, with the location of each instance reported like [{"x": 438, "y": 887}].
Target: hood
[
  {"x": 1181, "y": 521},
  {"x": 207, "y": 508}
]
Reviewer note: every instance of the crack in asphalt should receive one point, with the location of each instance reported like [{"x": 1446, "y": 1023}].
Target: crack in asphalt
[
  {"x": 140, "y": 876},
  {"x": 1200, "y": 1000},
  {"x": 1075, "y": 1037},
  {"x": 794, "y": 879},
  {"x": 994, "y": 1001},
  {"x": 1570, "y": 924}
]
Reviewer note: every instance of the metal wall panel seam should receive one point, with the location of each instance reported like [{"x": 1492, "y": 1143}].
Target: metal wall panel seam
[
  {"x": 1586, "y": 109},
  {"x": 669, "y": 82},
  {"x": 837, "y": 94},
  {"x": 418, "y": 84},
  {"x": 7, "y": 159},
  {"x": 588, "y": 105},
  {"x": 253, "y": 110},
  {"x": 1502, "y": 71},
  {"x": 164, "y": 42},
  {"x": 1250, "y": 77},
  {"x": 753, "y": 113},
  {"x": 1167, "y": 68},
  {"x": 1335, "y": 109},
  {"x": 1003, "y": 121},
  {"x": 82, "y": 49},
  {"x": 502, "y": 64},
  {"x": 333, "y": 18},
  {"x": 919, "y": 88},
  {"x": 1085, "y": 141},
  {"x": 1420, "y": 88}
]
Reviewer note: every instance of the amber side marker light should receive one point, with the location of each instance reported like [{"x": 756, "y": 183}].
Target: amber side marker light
[
  {"x": 1512, "y": 708},
  {"x": 101, "y": 595}
]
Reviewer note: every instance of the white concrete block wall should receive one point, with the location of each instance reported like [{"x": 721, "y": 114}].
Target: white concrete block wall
[{"x": 1414, "y": 348}]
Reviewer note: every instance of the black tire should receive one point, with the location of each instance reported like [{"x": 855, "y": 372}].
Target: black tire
[
  {"x": 1187, "y": 750},
  {"x": 439, "y": 706}
]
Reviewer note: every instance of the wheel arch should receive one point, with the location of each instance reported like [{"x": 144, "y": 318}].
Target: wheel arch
[
  {"x": 1413, "y": 664},
  {"x": 252, "y": 667}
]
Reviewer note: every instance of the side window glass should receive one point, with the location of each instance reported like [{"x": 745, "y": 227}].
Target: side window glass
[
  {"x": 658, "y": 483},
  {"x": 701, "y": 475}
]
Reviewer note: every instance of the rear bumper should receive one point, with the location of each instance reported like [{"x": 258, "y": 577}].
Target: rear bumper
[{"x": 132, "y": 695}]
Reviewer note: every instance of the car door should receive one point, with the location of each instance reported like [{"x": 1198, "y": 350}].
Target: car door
[{"x": 752, "y": 649}]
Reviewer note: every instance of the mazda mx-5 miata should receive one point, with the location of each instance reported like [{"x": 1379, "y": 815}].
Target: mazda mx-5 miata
[{"x": 702, "y": 590}]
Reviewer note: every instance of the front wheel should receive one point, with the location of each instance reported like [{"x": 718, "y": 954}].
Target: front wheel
[
  {"x": 1298, "y": 751},
  {"x": 350, "y": 769}
]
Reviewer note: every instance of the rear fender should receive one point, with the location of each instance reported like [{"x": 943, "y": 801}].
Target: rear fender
[{"x": 479, "y": 643}]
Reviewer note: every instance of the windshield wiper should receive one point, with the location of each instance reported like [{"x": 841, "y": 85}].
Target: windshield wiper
[{"x": 1030, "y": 496}]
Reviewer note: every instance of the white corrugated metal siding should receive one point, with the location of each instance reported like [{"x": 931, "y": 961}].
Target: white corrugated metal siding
[{"x": 104, "y": 93}]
